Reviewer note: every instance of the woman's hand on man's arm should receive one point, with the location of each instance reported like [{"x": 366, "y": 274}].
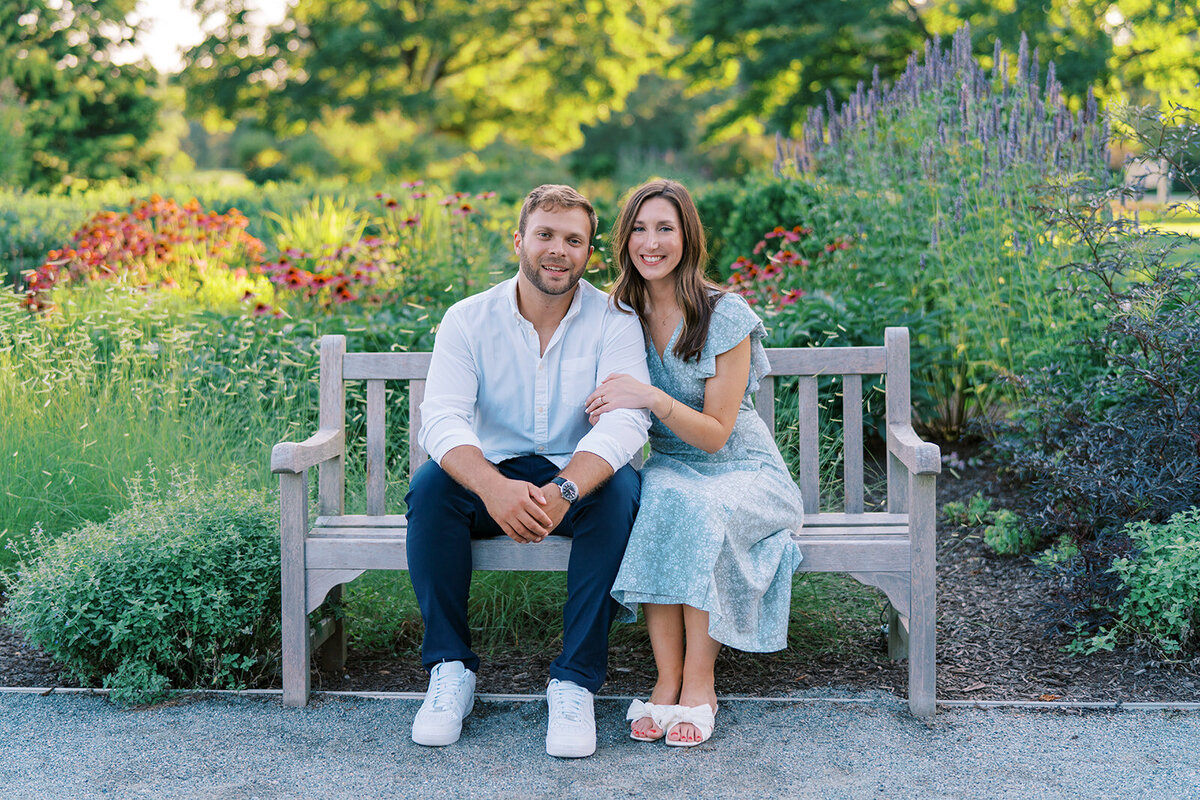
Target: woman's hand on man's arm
[
  {"x": 624, "y": 391},
  {"x": 708, "y": 429}
]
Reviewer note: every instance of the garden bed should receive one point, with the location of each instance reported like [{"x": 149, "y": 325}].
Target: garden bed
[{"x": 996, "y": 641}]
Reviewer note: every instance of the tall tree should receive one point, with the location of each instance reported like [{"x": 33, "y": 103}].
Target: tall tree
[
  {"x": 1156, "y": 51},
  {"x": 77, "y": 114},
  {"x": 534, "y": 70},
  {"x": 783, "y": 55},
  {"x": 1145, "y": 51}
]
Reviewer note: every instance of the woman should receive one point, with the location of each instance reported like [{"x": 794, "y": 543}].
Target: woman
[{"x": 711, "y": 555}]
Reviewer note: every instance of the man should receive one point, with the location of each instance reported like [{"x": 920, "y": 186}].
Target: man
[{"x": 512, "y": 452}]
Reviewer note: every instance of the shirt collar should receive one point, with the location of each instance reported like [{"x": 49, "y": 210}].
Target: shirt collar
[{"x": 576, "y": 302}]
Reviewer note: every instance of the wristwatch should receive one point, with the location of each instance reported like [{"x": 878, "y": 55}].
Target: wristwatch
[{"x": 570, "y": 492}]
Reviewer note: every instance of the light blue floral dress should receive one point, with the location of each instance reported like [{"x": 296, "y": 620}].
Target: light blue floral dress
[{"x": 714, "y": 529}]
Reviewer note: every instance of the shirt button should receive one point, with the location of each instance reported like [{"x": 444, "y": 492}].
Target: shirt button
[
  {"x": 541, "y": 449},
  {"x": 540, "y": 409},
  {"x": 541, "y": 367}
]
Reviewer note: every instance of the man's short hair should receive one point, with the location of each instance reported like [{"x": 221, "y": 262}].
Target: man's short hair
[{"x": 553, "y": 196}]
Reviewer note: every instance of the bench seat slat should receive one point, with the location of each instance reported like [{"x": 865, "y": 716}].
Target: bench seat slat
[
  {"x": 830, "y": 550},
  {"x": 870, "y": 518},
  {"x": 804, "y": 537}
]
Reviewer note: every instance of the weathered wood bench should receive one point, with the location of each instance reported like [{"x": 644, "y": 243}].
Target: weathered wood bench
[{"x": 892, "y": 550}]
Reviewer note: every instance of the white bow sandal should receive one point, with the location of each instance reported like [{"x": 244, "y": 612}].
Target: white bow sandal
[
  {"x": 703, "y": 718},
  {"x": 660, "y": 715}
]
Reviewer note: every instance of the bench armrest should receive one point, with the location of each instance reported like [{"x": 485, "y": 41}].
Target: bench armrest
[
  {"x": 921, "y": 457},
  {"x": 323, "y": 445}
]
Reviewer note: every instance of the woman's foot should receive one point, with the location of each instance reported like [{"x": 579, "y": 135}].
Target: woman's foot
[
  {"x": 686, "y": 732},
  {"x": 645, "y": 728}
]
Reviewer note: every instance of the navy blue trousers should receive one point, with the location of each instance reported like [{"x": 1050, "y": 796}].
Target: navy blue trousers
[{"x": 443, "y": 517}]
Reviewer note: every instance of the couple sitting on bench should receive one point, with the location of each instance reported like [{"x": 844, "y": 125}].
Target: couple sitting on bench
[{"x": 540, "y": 391}]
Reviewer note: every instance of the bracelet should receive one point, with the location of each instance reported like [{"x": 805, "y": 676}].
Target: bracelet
[{"x": 670, "y": 411}]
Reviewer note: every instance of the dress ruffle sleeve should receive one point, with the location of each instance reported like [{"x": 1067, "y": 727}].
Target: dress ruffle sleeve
[{"x": 732, "y": 321}]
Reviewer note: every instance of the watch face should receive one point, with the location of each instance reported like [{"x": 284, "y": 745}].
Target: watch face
[{"x": 570, "y": 492}]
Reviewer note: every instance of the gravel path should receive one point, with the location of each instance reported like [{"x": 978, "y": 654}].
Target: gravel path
[{"x": 81, "y": 746}]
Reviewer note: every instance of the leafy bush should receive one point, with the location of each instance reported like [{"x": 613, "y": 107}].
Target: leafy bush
[
  {"x": 1002, "y": 529},
  {"x": 180, "y": 589},
  {"x": 1006, "y": 535},
  {"x": 1161, "y": 581},
  {"x": 973, "y": 513},
  {"x": 735, "y": 212},
  {"x": 934, "y": 179},
  {"x": 1111, "y": 431}
]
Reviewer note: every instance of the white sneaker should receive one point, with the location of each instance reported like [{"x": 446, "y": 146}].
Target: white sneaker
[
  {"x": 572, "y": 730},
  {"x": 451, "y": 697}
]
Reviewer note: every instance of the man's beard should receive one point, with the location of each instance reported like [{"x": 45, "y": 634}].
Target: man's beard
[{"x": 534, "y": 274}]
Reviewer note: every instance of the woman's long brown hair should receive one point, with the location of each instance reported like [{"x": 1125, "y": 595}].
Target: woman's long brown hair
[{"x": 695, "y": 294}]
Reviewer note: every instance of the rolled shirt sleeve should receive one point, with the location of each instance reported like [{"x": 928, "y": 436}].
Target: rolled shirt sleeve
[{"x": 619, "y": 434}]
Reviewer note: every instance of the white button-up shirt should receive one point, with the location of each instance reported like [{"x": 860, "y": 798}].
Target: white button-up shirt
[{"x": 489, "y": 385}]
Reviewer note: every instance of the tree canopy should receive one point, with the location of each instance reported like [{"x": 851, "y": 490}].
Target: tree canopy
[
  {"x": 782, "y": 56},
  {"x": 75, "y": 114},
  {"x": 532, "y": 70}
]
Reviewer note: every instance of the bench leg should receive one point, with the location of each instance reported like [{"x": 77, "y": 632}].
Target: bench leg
[
  {"x": 897, "y": 635},
  {"x": 333, "y": 652},
  {"x": 922, "y": 632},
  {"x": 293, "y": 524}
]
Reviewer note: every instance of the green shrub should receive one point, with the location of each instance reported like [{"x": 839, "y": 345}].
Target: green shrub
[
  {"x": 735, "y": 213},
  {"x": 935, "y": 181},
  {"x": 1057, "y": 555},
  {"x": 975, "y": 512},
  {"x": 180, "y": 589},
  {"x": 1002, "y": 529},
  {"x": 1108, "y": 430},
  {"x": 1162, "y": 581},
  {"x": 1006, "y": 535}
]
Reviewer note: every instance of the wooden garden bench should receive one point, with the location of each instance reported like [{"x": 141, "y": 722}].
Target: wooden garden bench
[{"x": 892, "y": 550}]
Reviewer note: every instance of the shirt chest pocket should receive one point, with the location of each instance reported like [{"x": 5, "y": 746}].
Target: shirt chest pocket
[{"x": 577, "y": 380}]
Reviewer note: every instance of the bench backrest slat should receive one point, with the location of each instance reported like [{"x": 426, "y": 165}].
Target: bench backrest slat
[
  {"x": 852, "y": 440},
  {"x": 331, "y": 475},
  {"x": 828, "y": 361},
  {"x": 416, "y": 396},
  {"x": 764, "y": 401},
  {"x": 387, "y": 366},
  {"x": 809, "y": 444},
  {"x": 376, "y": 434}
]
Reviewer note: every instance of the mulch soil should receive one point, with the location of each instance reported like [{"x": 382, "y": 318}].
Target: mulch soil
[{"x": 996, "y": 641}]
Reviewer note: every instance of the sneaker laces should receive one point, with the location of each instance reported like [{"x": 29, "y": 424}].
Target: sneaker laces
[
  {"x": 444, "y": 689},
  {"x": 569, "y": 701}
]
